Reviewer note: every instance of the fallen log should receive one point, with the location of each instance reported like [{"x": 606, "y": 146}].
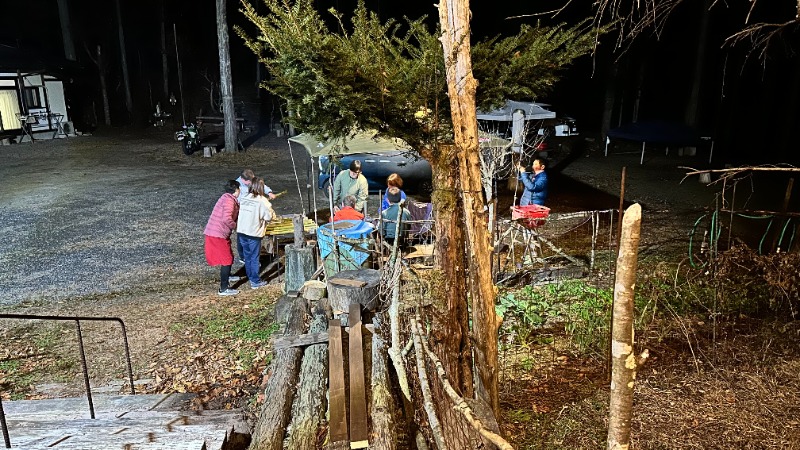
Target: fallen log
[
  {"x": 275, "y": 413},
  {"x": 382, "y": 406},
  {"x": 308, "y": 411}
]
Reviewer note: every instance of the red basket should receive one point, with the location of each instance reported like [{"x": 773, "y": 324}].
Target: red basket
[{"x": 531, "y": 216}]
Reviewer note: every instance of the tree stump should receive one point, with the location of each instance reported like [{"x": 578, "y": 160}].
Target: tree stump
[
  {"x": 354, "y": 286},
  {"x": 300, "y": 265}
]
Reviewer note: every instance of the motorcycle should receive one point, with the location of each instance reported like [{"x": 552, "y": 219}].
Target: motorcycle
[{"x": 189, "y": 136}]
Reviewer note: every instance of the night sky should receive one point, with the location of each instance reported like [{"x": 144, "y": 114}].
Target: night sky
[{"x": 748, "y": 104}]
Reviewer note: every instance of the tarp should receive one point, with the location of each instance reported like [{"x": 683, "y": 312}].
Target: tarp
[
  {"x": 369, "y": 142},
  {"x": 361, "y": 142},
  {"x": 533, "y": 111},
  {"x": 657, "y": 132},
  {"x": 351, "y": 254}
]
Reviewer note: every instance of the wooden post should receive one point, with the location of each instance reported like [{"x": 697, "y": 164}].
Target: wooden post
[
  {"x": 299, "y": 239},
  {"x": 624, "y": 361},
  {"x": 358, "y": 392},
  {"x": 273, "y": 418},
  {"x": 621, "y": 211},
  {"x": 300, "y": 266},
  {"x": 786, "y": 198},
  {"x": 337, "y": 428}
]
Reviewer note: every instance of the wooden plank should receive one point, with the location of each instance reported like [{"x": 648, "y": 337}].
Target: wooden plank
[
  {"x": 300, "y": 341},
  {"x": 346, "y": 282},
  {"x": 359, "y": 433},
  {"x": 338, "y": 406}
]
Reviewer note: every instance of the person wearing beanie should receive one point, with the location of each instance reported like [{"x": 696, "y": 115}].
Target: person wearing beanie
[
  {"x": 391, "y": 215},
  {"x": 350, "y": 182}
]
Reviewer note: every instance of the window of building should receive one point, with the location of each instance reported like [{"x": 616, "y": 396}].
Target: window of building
[{"x": 32, "y": 98}]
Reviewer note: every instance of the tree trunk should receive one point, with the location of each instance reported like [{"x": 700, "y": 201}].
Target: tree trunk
[
  {"x": 454, "y": 17},
  {"x": 623, "y": 360},
  {"x": 309, "y": 407},
  {"x": 164, "y": 62},
  {"x": 101, "y": 69},
  {"x": 275, "y": 413},
  {"x": 225, "y": 79},
  {"x": 693, "y": 104},
  {"x": 608, "y": 102},
  {"x": 450, "y": 329},
  {"x": 124, "y": 61},
  {"x": 66, "y": 30}
]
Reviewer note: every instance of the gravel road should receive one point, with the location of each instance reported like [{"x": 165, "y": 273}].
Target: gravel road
[{"x": 107, "y": 213}]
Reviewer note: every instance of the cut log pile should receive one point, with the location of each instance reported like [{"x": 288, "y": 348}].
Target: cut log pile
[
  {"x": 320, "y": 371},
  {"x": 317, "y": 394}
]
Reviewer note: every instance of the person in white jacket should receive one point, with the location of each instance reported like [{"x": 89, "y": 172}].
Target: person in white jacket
[{"x": 255, "y": 212}]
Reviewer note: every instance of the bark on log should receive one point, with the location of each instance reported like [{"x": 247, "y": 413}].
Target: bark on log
[
  {"x": 274, "y": 416},
  {"x": 382, "y": 405},
  {"x": 623, "y": 362},
  {"x": 343, "y": 294},
  {"x": 300, "y": 265},
  {"x": 309, "y": 407}
]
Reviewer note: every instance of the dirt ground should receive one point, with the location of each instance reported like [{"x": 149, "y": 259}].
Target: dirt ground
[{"x": 111, "y": 225}]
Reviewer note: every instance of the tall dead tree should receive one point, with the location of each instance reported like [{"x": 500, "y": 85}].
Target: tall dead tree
[
  {"x": 66, "y": 30},
  {"x": 454, "y": 17},
  {"x": 225, "y": 79},
  {"x": 124, "y": 61},
  {"x": 164, "y": 61},
  {"x": 101, "y": 71}
]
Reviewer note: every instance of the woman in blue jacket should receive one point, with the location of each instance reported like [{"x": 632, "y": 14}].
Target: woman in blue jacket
[{"x": 535, "y": 182}]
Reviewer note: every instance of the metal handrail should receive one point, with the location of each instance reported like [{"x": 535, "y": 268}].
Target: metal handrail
[{"x": 77, "y": 320}]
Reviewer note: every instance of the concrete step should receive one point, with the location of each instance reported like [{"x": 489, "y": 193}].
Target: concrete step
[
  {"x": 78, "y": 407},
  {"x": 195, "y": 436}
]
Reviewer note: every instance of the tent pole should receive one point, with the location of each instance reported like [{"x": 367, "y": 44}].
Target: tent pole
[
  {"x": 711, "y": 153},
  {"x": 642, "y": 160}
]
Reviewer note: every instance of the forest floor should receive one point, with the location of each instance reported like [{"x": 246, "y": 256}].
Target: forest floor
[{"x": 111, "y": 225}]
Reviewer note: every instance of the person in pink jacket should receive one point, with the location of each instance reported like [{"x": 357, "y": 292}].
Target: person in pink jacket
[{"x": 218, "y": 236}]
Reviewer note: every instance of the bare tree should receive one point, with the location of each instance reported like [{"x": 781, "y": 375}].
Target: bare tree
[
  {"x": 66, "y": 30},
  {"x": 226, "y": 80},
  {"x": 101, "y": 71},
  {"x": 164, "y": 62},
  {"x": 124, "y": 60}
]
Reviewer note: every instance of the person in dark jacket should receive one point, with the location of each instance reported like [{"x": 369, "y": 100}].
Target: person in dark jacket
[
  {"x": 535, "y": 181},
  {"x": 218, "y": 236},
  {"x": 391, "y": 215}
]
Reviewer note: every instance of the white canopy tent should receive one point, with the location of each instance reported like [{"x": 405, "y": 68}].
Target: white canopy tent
[
  {"x": 530, "y": 111},
  {"x": 518, "y": 113}
]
